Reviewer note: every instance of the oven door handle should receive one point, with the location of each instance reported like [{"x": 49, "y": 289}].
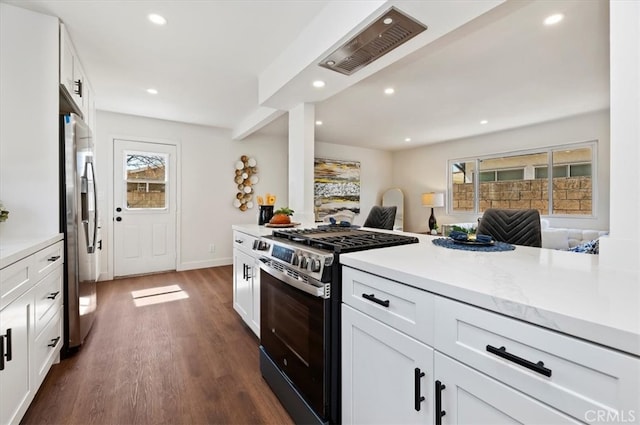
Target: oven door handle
[{"x": 304, "y": 287}]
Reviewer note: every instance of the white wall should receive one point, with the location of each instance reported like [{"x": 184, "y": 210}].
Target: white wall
[
  {"x": 207, "y": 156},
  {"x": 375, "y": 172},
  {"x": 424, "y": 169},
  {"x": 29, "y": 123}
]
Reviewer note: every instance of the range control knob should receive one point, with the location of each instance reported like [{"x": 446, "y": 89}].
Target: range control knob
[
  {"x": 256, "y": 244},
  {"x": 304, "y": 261},
  {"x": 295, "y": 259},
  {"x": 315, "y": 265},
  {"x": 263, "y": 246}
]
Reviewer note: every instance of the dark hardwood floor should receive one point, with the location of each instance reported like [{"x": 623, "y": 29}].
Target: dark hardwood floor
[{"x": 190, "y": 361}]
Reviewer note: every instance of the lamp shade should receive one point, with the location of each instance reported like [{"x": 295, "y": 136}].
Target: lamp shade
[{"x": 433, "y": 199}]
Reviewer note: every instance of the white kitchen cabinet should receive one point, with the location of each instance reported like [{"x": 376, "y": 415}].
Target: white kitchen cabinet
[
  {"x": 387, "y": 376},
  {"x": 30, "y": 326},
  {"x": 15, "y": 334},
  {"x": 407, "y": 309},
  {"x": 495, "y": 369},
  {"x": 74, "y": 79},
  {"x": 246, "y": 280},
  {"x": 569, "y": 374},
  {"x": 242, "y": 288},
  {"x": 469, "y": 397}
]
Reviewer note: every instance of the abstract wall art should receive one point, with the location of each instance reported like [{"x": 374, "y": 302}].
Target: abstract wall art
[{"x": 336, "y": 186}]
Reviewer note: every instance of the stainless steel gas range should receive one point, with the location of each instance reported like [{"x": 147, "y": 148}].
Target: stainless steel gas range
[{"x": 300, "y": 298}]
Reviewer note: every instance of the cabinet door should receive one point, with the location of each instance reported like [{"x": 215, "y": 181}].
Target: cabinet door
[
  {"x": 66, "y": 61},
  {"x": 470, "y": 397},
  {"x": 242, "y": 284},
  {"x": 15, "y": 392},
  {"x": 79, "y": 87},
  {"x": 382, "y": 381},
  {"x": 255, "y": 291}
]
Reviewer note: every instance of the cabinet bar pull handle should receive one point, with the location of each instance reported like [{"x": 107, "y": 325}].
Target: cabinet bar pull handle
[
  {"x": 438, "y": 409},
  {"x": 54, "y": 341},
  {"x": 1, "y": 352},
  {"x": 418, "y": 396},
  {"x": 239, "y": 241},
  {"x": 536, "y": 367},
  {"x": 78, "y": 90},
  {"x": 53, "y": 295},
  {"x": 372, "y": 297},
  {"x": 54, "y": 258},
  {"x": 9, "y": 350}
]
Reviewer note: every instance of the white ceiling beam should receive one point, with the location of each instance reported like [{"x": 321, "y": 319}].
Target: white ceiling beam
[{"x": 254, "y": 122}]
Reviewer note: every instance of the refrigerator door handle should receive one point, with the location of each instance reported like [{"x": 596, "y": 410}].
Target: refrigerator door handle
[
  {"x": 91, "y": 243},
  {"x": 84, "y": 192},
  {"x": 84, "y": 206},
  {"x": 92, "y": 248}
]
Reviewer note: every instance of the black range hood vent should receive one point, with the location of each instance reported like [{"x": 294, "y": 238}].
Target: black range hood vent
[{"x": 390, "y": 30}]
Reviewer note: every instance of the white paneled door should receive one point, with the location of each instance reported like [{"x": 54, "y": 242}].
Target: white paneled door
[{"x": 144, "y": 207}]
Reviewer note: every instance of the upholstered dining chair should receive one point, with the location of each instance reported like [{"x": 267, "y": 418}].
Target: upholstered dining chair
[
  {"x": 518, "y": 227},
  {"x": 381, "y": 217}
]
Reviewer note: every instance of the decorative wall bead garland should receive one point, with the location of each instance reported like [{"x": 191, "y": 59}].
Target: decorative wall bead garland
[{"x": 245, "y": 178}]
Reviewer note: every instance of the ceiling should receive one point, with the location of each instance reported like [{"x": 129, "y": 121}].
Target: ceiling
[{"x": 242, "y": 64}]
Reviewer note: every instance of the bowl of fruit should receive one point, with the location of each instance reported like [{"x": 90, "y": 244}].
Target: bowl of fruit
[{"x": 282, "y": 218}]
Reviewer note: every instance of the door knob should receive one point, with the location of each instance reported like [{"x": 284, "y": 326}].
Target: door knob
[
  {"x": 118, "y": 209},
  {"x": 118, "y": 218}
]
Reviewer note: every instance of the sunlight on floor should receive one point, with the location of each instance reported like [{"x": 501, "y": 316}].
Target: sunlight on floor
[{"x": 161, "y": 294}]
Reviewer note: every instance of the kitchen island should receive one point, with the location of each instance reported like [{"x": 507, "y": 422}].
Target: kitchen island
[
  {"x": 563, "y": 291},
  {"x": 533, "y": 335}
]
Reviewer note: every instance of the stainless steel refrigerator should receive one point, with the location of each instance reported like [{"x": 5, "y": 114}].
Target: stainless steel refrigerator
[{"x": 79, "y": 222}]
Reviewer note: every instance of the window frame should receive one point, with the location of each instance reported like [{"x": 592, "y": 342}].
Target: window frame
[
  {"x": 476, "y": 160},
  {"x": 164, "y": 181}
]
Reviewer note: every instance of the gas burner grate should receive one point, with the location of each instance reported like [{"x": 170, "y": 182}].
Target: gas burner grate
[{"x": 342, "y": 240}]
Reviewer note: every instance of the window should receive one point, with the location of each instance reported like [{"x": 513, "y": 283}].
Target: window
[
  {"x": 462, "y": 178},
  {"x": 522, "y": 181},
  {"x": 146, "y": 175}
]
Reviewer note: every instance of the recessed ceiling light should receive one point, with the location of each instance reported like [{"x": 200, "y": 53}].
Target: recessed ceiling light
[
  {"x": 331, "y": 63},
  {"x": 389, "y": 90},
  {"x": 318, "y": 84},
  {"x": 483, "y": 122},
  {"x": 318, "y": 122},
  {"x": 152, "y": 91},
  {"x": 387, "y": 21},
  {"x": 553, "y": 19},
  {"x": 408, "y": 139},
  {"x": 157, "y": 19}
]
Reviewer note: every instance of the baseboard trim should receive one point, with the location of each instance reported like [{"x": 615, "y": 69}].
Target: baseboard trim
[{"x": 193, "y": 265}]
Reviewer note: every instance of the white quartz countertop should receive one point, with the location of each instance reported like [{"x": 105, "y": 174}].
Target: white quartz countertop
[
  {"x": 14, "y": 249},
  {"x": 564, "y": 291}
]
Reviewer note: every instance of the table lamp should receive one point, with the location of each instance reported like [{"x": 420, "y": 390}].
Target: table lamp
[{"x": 433, "y": 200}]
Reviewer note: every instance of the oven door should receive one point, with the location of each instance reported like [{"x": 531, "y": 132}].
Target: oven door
[{"x": 294, "y": 334}]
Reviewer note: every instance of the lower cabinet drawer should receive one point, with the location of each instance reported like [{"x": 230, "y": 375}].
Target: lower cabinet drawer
[
  {"x": 569, "y": 374},
  {"x": 405, "y": 308},
  {"x": 48, "y": 259},
  {"x": 465, "y": 396},
  {"x": 244, "y": 242},
  {"x": 15, "y": 280},
  {"x": 47, "y": 346},
  {"x": 48, "y": 298}
]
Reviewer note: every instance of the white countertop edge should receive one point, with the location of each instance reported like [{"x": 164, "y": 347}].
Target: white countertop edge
[
  {"x": 15, "y": 249},
  {"x": 624, "y": 340}
]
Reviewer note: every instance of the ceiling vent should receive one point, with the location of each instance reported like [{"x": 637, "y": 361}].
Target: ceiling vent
[{"x": 389, "y": 31}]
